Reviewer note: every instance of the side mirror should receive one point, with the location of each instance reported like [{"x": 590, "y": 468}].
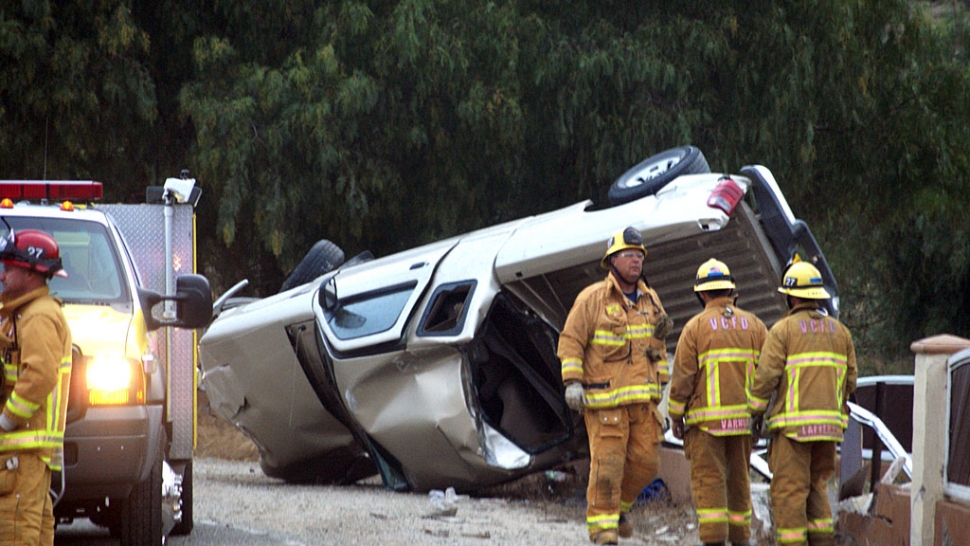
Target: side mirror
[
  {"x": 193, "y": 299},
  {"x": 328, "y": 295},
  {"x": 194, "y": 302},
  {"x": 148, "y": 300}
]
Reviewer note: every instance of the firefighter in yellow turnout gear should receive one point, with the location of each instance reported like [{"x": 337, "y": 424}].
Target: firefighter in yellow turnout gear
[
  {"x": 716, "y": 357},
  {"x": 35, "y": 342},
  {"x": 613, "y": 364},
  {"x": 808, "y": 361}
]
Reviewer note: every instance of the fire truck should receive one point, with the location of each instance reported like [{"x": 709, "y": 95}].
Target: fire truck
[{"x": 133, "y": 302}]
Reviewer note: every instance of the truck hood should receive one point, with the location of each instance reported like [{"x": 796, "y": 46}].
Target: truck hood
[{"x": 100, "y": 329}]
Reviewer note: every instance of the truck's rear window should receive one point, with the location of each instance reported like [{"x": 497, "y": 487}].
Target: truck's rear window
[{"x": 95, "y": 274}]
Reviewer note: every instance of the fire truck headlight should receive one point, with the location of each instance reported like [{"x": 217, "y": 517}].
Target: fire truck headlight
[{"x": 109, "y": 382}]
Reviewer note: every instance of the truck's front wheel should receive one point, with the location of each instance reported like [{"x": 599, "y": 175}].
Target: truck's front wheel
[
  {"x": 322, "y": 258},
  {"x": 141, "y": 514}
]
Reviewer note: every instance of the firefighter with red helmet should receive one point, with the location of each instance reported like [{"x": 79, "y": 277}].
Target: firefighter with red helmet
[
  {"x": 613, "y": 365},
  {"x": 715, "y": 359},
  {"x": 35, "y": 343},
  {"x": 808, "y": 361}
]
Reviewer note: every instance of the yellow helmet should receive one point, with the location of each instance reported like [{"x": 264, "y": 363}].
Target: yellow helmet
[
  {"x": 622, "y": 240},
  {"x": 713, "y": 275},
  {"x": 803, "y": 280}
]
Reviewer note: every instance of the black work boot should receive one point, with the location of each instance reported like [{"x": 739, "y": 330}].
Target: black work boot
[
  {"x": 605, "y": 537},
  {"x": 625, "y": 528}
]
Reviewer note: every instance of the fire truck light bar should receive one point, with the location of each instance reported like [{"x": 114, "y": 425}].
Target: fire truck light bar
[{"x": 53, "y": 190}]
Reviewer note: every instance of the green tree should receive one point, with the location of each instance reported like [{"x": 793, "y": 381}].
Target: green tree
[
  {"x": 76, "y": 98},
  {"x": 388, "y": 124},
  {"x": 394, "y": 123},
  {"x": 381, "y": 128},
  {"x": 385, "y": 124}
]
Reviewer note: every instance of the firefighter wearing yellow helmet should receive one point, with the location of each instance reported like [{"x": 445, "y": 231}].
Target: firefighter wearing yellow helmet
[
  {"x": 613, "y": 365},
  {"x": 716, "y": 357},
  {"x": 35, "y": 342},
  {"x": 804, "y": 280},
  {"x": 808, "y": 361}
]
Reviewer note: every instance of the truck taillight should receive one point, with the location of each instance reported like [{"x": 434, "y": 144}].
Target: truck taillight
[
  {"x": 726, "y": 195},
  {"x": 114, "y": 381},
  {"x": 54, "y": 190}
]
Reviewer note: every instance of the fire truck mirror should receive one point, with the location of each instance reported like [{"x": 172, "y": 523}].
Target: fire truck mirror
[
  {"x": 194, "y": 299},
  {"x": 149, "y": 299}
]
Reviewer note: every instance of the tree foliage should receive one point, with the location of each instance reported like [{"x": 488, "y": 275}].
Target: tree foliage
[
  {"x": 76, "y": 99},
  {"x": 384, "y": 124}
]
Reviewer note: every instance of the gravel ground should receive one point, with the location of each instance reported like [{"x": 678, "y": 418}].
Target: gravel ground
[
  {"x": 537, "y": 510},
  {"x": 231, "y": 490},
  {"x": 543, "y": 509}
]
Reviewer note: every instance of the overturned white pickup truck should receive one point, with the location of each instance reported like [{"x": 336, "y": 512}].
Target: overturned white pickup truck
[{"x": 436, "y": 367}]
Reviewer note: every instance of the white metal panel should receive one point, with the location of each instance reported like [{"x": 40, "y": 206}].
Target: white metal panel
[
  {"x": 470, "y": 260},
  {"x": 576, "y": 235}
]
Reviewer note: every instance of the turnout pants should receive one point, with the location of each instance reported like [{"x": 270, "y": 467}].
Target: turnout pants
[
  {"x": 799, "y": 499},
  {"x": 720, "y": 485},
  {"x": 624, "y": 453},
  {"x": 26, "y": 510}
]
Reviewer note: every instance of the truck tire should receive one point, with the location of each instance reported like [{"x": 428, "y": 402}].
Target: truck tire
[
  {"x": 655, "y": 172},
  {"x": 185, "y": 526},
  {"x": 322, "y": 258},
  {"x": 141, "y": 513}
]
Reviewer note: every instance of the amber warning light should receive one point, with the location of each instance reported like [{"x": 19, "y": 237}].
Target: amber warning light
[{"x": 54, "y": 190}]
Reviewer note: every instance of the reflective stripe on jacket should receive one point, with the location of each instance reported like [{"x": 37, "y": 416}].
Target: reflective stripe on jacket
[
  {"x": 715, "y": 360},
  {"x": 604, "y": 345},
  {"x": 808, "y": 361},
  {"x": 36, "y": 345}
]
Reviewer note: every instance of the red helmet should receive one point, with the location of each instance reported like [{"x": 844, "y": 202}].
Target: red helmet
[{"x": 34, "y": 250}]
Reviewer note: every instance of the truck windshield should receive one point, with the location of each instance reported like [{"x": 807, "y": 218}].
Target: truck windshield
[{"x": 95, "y": 273}]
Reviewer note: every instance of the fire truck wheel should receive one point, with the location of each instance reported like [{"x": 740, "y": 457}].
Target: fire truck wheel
[
  {"x": 322, "y": 258},
  {"x": 185, "y": 526},
  {"x": 141, "y": 513},
  {"x": 655, "y": 172}
]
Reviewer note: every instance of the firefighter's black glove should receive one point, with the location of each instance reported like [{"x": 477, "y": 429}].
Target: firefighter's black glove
[
  {"x": 664, "y": 324},
  {"x": 756, "y": 426},
  {"x": 679, "y": 428},
  {"x": 654, "y": 354},
  {"x": 575, "y": 397}
]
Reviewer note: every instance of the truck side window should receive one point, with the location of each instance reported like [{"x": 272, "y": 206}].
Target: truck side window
[
  {"x": 446, "y": 313},
  {"x": 369, "y": 313}
]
